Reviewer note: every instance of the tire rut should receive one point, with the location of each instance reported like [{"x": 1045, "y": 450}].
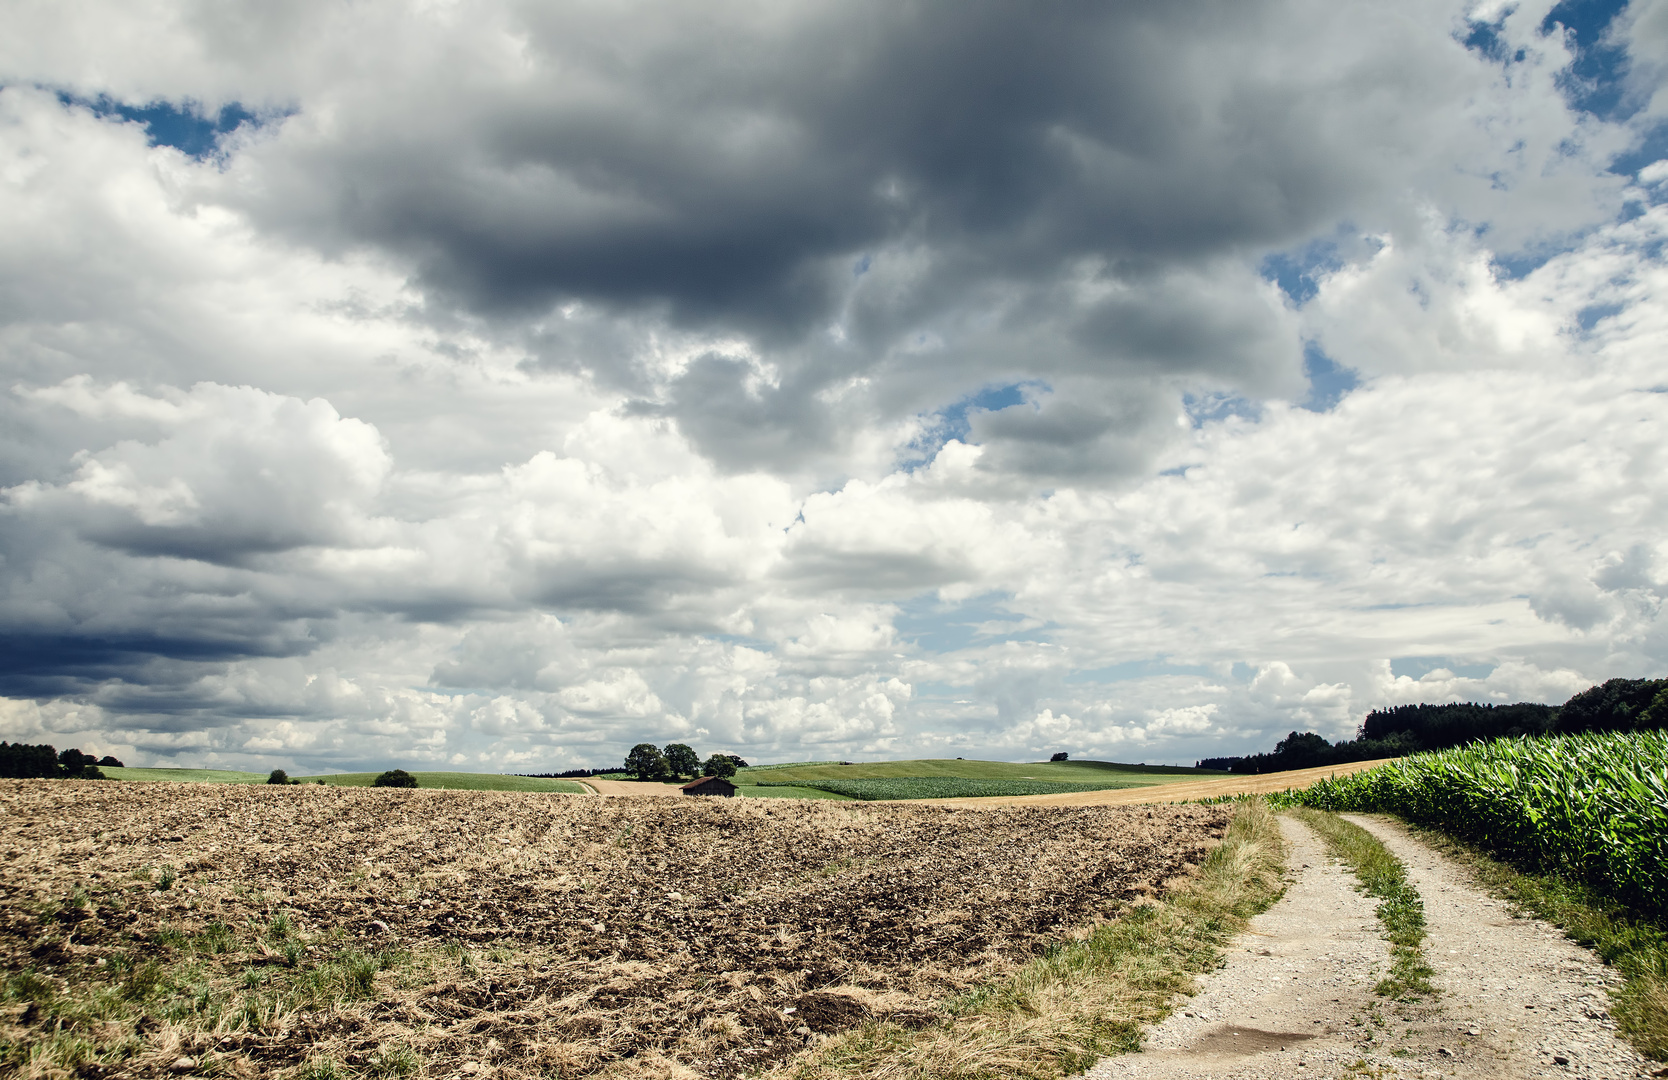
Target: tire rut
[{"x": 1295, "y": 997}]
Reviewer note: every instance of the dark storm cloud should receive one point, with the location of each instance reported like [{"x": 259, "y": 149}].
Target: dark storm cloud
[
  {"x": 862, "y": 192},
  {"x": 715, "y": 160}
]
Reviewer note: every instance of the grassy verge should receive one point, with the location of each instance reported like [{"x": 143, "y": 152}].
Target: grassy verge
[
  {"x": 1384, "y": 878},
  {"x": 1084, "y": 999},
  {"x": 1621, "y": 936}
]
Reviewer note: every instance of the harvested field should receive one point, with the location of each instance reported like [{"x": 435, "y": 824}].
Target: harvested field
[{"x": 337, "y": 931}]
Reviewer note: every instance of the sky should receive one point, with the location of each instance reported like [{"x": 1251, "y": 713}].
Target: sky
[{"x": 497, "y": 385}]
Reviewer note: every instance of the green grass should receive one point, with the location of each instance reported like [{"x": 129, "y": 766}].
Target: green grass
[
  {"x": 1058, "y": 771},
  {"x": 188, "y": 776},
  {"x": 944, "y": 787},
  {"x": 1384, "y": 878},
  {"x": 452, "y": 781},
  {"x": 786, "y": 791}
]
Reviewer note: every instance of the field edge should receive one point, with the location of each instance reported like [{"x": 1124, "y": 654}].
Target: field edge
[
  {"x": 1623, "y": 938},
  {"x": 1085, "y": 999}
]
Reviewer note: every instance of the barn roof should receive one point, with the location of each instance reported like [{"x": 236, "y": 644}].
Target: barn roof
[{"x": 698, "y": 781}]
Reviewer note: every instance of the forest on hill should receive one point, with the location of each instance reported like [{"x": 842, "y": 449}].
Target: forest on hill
[{"x": 1616, "y": 705}]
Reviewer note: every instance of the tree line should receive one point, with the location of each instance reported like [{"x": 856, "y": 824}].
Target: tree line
[
  {"x": 1616, "y": 705},
  {"x": 21, "y": 761},
  {"x": 649, "y": 762}
]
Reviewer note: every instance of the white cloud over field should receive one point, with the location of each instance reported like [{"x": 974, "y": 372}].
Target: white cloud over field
[{"x": 497, "y": 385}]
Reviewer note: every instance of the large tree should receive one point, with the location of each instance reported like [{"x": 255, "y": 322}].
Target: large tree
[
  {"x": 683, "y": 760},
  {"x": 719, "y": 765},
  {"x": 647, "y": 762}
]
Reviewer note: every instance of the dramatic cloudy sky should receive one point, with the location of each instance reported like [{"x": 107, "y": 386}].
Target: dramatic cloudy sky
[{"x": 499, "y": 384}]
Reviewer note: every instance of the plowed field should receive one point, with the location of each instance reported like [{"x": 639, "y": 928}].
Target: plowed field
[{"x": 340, "y": 931}]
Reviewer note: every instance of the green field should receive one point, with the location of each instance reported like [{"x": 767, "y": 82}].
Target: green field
[
  {"x": 945, "y": 787},
  {"x": 1098, "y": 773},
  {"x": 456, "y": 781},
  {"x": 185, "y": 776},
  {"x": 452, "y": 781},
  {"x": 785, "y": 791}
]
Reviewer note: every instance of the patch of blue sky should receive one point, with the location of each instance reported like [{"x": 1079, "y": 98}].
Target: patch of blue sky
[
  {"x": 1329, "y": 381},
  {"x": 1298, "y": 272},
  {"x": 1590, "y": 316},
  {"x": 1136, "y": 669},
  {"x": 186, "y": 127},
  {"x": 1596, "y": 81},
  {"x": 979, "y": 621},
  {"x": 955, "y": 421},
  {"x": 1652, "y": 146},
  {"x": 1417, "y": 667},
  {"x": 1512, "y": 265}
]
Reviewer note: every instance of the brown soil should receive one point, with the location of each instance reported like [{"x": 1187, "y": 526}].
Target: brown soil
[
  {"x": 632, "y": 787},
  {"x": 554, "y": 935}
]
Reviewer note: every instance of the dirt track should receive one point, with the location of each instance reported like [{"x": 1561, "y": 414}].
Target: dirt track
[
  {"x": 1176, "y": 792},
  {"x": 1296, "y": 997}
]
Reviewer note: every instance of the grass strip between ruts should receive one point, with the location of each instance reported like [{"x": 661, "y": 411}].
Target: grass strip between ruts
[
  {"x": 1083, "y": 999},
  {"x": 1621, "y": 936},
  {"x": 1383, "y": 877}
]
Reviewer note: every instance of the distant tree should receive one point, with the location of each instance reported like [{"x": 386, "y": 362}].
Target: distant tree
[
  {"x": 1061, "y": 756},
  {"x": 1616, "y": 705},
  {"x": 719, "y": 765},
  {"x": 682, "y": 760},
  {"x": 740, "y": 764},
  {"x": 20, "y": 761},
  {"x": 646, "y": 762},
  {"x": 278, "y": 776},
  {"x": 1655, "y": 716},
  {"x": 395, "y": 778},
  {"x": 111, "y": 762}
]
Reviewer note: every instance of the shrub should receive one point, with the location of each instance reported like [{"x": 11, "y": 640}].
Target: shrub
[
  {"x": 278, "y": 776},
  {"x": 395, "y": 778},
  {"x": 111, "y": 762},
  {"x": 1061, "y": 756}
]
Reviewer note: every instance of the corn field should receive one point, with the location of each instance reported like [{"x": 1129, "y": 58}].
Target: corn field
[{"x": 1592, "y": 807}]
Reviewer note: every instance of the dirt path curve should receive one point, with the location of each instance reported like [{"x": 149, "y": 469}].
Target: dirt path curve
[
  {"x": 1176, "y": 791},
  {"x": 1295, "y": 996},
  {"x": 631, "y": 787}
]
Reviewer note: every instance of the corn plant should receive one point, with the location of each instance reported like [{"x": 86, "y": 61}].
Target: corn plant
[{"x": 1593, "y": 807}]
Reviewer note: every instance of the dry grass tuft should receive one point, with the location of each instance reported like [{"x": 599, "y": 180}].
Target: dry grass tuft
[{"x": 1085, "y": 999}]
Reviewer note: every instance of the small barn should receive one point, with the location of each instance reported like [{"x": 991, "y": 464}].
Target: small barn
[{"x": 710, "y": 785}]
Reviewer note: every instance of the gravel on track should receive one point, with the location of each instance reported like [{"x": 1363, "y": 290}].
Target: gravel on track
[{"x": 1295, "y": 996}]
